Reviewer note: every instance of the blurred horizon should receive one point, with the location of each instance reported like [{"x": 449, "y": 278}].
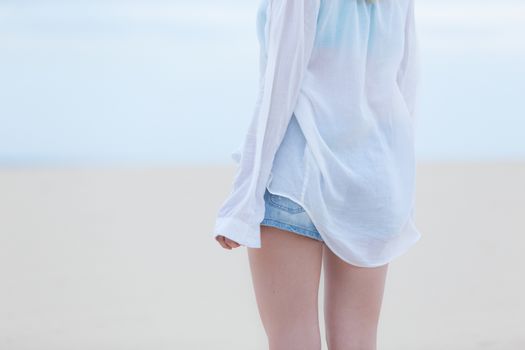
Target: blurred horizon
[{"x": 174, "y": 82}]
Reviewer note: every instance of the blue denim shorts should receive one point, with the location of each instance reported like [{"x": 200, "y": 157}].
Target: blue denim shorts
[{"x": 285, "y": 214}]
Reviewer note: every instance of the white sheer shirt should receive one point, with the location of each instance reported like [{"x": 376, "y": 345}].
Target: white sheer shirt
[{"x": 333, "y": 126}]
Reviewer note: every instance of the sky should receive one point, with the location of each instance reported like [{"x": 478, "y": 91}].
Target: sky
[{"x": 90, "y": 82}]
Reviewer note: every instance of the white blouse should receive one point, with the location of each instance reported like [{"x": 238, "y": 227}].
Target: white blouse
[{"x": 333, "y": 126}]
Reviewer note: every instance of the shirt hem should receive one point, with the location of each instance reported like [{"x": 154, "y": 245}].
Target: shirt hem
[{"x": 408, "y": 236}]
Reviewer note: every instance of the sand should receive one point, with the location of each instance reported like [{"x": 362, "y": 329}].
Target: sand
[{"x": 123, "y": 259}]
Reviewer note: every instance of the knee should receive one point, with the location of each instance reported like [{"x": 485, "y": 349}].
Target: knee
[
  {"x": 294, "y": 338},
  {"x": 351, "y": 341}
]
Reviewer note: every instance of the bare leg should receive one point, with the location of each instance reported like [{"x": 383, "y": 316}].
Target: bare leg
[
  {"x": 353, "y": 297},
  {"x": 285, "y": 273}
]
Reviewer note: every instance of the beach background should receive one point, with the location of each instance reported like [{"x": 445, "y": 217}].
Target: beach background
[{"x": 117, "y": 120}]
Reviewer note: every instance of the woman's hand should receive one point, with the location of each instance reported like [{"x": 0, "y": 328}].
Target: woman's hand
[{"x": 226, "y": 242}]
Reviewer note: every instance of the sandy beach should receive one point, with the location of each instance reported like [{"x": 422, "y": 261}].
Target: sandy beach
[{"x": 122, "y": 259}]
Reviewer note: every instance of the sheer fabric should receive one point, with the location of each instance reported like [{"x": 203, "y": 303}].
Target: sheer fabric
[{"x": 333, "y": 126}]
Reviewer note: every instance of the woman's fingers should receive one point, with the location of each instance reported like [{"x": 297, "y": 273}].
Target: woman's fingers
[
  {"x": 221, "y": 241},
  {"x": 231, "y": 243},
  {"x": 226, "y": 242}
]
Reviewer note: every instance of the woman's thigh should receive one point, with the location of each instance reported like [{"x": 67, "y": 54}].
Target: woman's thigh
[
  {"x": 352, "y": 301},
  {"x": 285, "y": 274}
]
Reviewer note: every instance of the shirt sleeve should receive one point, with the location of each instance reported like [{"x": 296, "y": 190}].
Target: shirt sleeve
[
  {"x": 408, "y": 74},
  {"x": 289, "y": 35}
]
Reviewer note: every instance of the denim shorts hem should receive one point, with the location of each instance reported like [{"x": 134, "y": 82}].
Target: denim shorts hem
[{"x": 292, "y": 228}]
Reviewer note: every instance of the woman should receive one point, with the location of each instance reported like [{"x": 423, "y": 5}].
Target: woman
[{"x": 327, "y": 170}]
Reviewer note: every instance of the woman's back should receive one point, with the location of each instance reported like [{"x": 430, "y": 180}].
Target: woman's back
[{"x": 333, "y": 125}]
